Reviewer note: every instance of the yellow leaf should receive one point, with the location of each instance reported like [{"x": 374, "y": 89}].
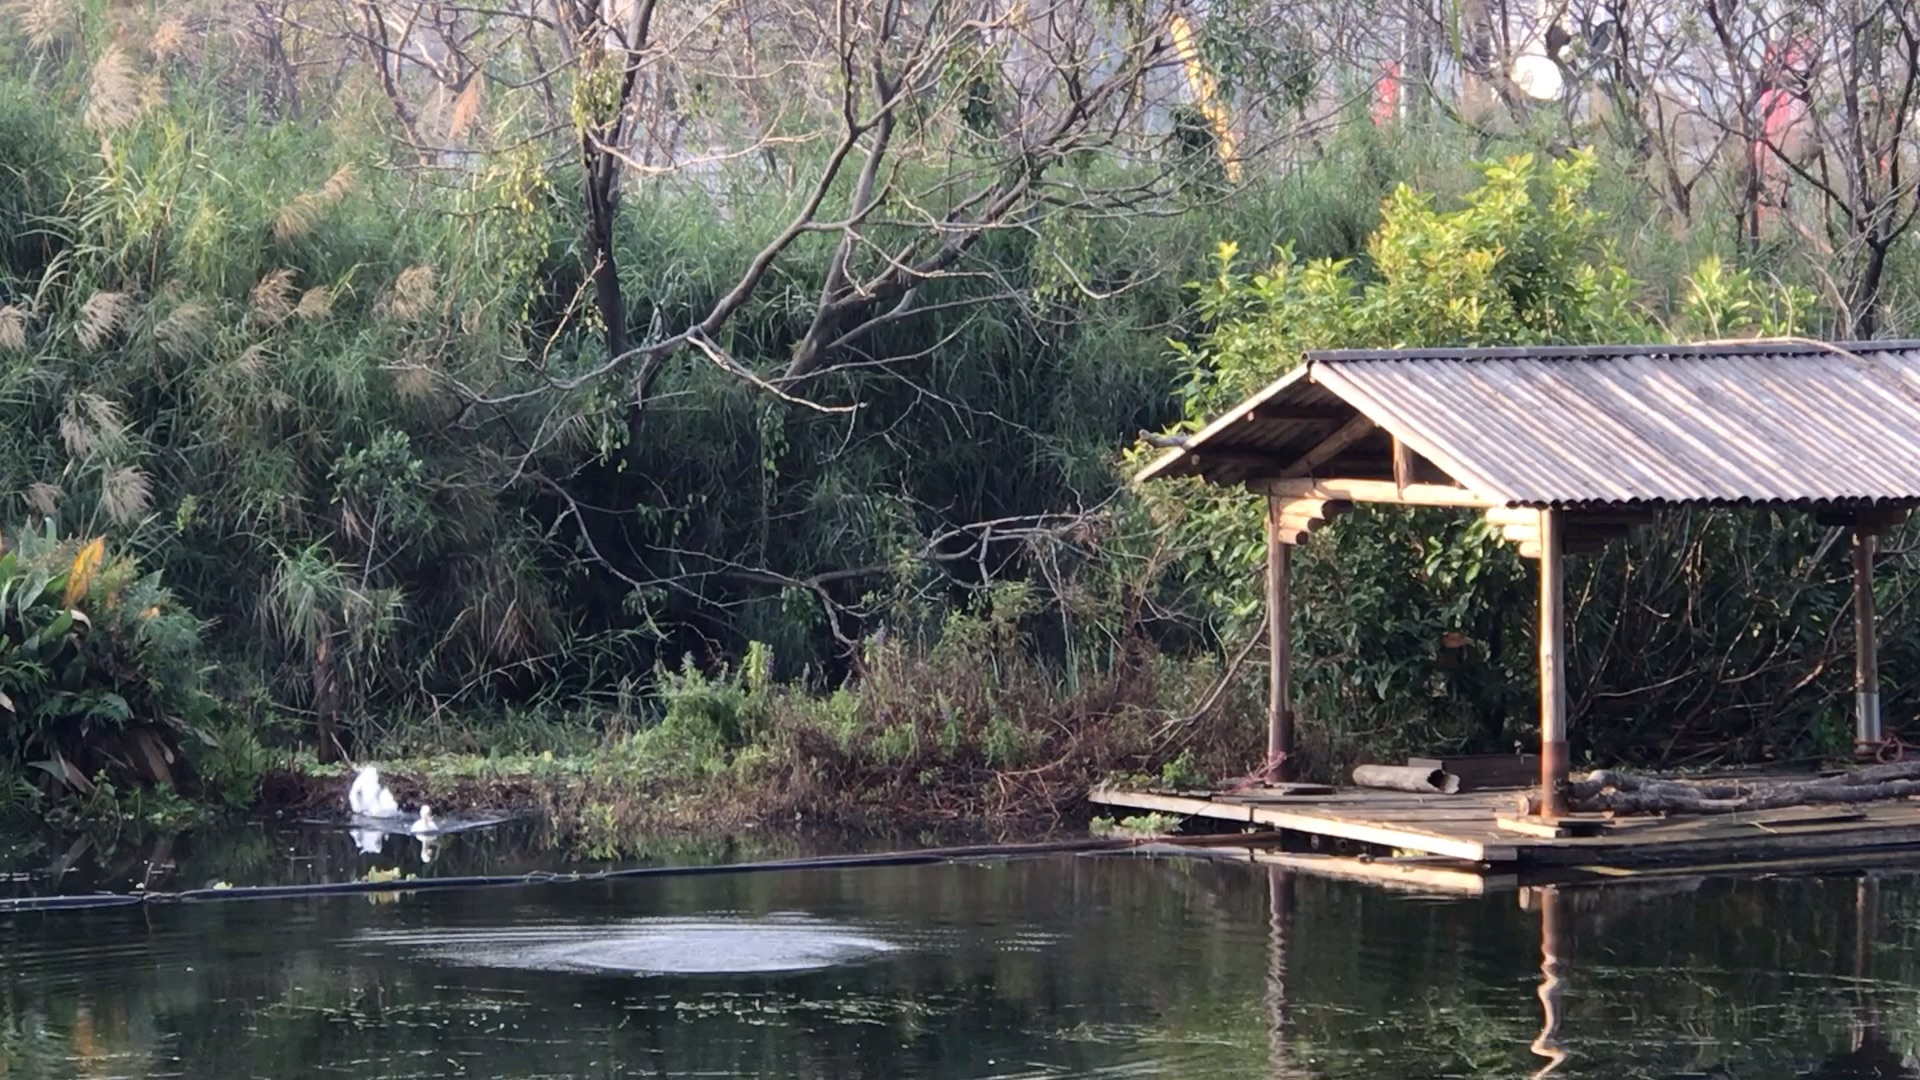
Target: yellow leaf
[{"x": 84, "y": 564}]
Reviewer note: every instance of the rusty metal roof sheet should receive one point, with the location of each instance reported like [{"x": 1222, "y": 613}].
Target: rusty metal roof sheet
[{"x": 1753, "y": 423}]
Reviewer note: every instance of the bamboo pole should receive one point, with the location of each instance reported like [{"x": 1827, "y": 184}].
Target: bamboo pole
[
  {"x": 1866, "y": 651},
  {"x": 1553, "y": 666},
  {"x": 1279, "y": 644}
]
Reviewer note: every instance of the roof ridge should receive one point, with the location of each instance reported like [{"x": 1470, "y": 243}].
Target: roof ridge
[{"x": 1756, "y": 348}]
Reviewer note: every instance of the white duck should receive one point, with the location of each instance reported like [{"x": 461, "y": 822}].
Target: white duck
[
  {"x": 369, "y": 798},
  {"x": 427, "y": 825}
]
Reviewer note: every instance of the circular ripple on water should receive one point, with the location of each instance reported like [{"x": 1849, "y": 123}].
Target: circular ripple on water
[{"x": 663, "y": 946}]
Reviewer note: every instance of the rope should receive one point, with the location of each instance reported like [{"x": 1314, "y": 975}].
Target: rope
[
  {"x": 1885, "y": 751},
  {"x": 14, "y": 905}
]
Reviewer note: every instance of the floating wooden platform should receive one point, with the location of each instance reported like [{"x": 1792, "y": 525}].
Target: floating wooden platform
[{"x": 1475, "y": 841}]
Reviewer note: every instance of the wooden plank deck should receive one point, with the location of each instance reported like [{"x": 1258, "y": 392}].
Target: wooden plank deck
[{"x": 1419, "y": 834}]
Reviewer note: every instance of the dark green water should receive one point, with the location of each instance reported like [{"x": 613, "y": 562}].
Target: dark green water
[{"x": 1059, "y": 967}]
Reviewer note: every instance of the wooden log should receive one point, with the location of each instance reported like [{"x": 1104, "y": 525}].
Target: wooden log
[
  {"x": 1657, "y": 802},
  {"x": 1407, "y": 778},
  {"x": 1306, "y": 515},
  {"x": 1624, "y": 793}
]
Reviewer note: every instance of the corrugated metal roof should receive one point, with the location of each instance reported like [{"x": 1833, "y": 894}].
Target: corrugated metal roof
[{"x": 1785, "y": 423}]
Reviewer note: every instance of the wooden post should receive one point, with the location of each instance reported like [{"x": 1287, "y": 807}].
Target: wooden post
[
  {"x": 1402, "y": 465},
  {"x": 1279, "y": 645},
  {"x": 1553, "y": 666},
  {"x": 1866, "y": 651}
]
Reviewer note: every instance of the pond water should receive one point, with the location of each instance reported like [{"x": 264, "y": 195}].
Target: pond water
[{"x": 1069, "y": 966}]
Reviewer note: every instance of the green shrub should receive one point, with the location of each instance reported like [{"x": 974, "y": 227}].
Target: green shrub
[{"x": 100, "y": 670}]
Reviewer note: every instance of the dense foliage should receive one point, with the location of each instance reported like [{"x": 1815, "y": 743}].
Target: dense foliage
[{"x": 495, "y": 420}]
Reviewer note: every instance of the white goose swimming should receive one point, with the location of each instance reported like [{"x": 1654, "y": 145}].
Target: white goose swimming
[
  {"x": 369, "y": 798},
  {"x": 427, "y": 825}
]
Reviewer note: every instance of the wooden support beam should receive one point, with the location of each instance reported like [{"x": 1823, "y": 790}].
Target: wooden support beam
[
  {"x": 1866, "y": 647},
  {"x": 1314, "y": 508},
  {"x": 1252, "y": 464},
  {"x": 1402, "y": 464},
  {"x": 1279, "y": 646},
  {"x": 1570, "y": 544},
  {"x": 1372, "y": 491},
  {"x": 1527, "y": 515},
  {"x": 1872, "y": 519},
  {"x": 1330, "y": 447},
  {"x": 1553, "y": 667},
  {"x": 1522, "y": 534}
]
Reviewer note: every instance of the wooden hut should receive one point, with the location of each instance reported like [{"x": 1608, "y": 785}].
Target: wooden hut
[{"x": 1564, "y": 449}]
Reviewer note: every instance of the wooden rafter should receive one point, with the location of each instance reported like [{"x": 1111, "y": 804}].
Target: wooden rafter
[{"x": 1330, "y": 447}]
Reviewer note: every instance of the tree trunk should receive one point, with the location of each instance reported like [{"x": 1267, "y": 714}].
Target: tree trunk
[
  {"x": 603, "y": 202},
  {"x": 326, "y": 705}
]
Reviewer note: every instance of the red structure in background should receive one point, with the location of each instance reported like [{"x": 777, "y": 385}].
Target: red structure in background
[
  {"x": 1386, "y": 93},
  {"x": 1786, "y": 78}
]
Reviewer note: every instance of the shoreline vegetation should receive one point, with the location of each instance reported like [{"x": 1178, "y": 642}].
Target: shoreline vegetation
[{"x": 737, "y": 431}]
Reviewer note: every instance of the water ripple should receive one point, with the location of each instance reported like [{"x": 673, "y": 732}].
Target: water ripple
[{"x": 662, "y": 946}]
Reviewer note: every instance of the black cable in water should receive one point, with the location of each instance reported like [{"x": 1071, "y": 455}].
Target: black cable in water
[{"x": 344, "y": 888}]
